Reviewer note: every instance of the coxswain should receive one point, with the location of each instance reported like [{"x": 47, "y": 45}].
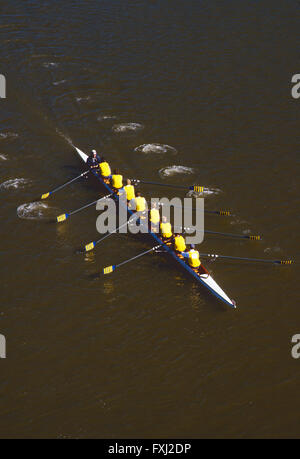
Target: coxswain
[
  {"x": 179, "y": 243},
  {"x": 193, "y": 258},
  {"x": 140, "y": 203},
  {"x": 154, "y": 218},
  {"x": 117, "y": 180},
  {"x": 105, "y": 170},
  {"x": 93, "y": 160},
  {"x": 166, "y": 231}
]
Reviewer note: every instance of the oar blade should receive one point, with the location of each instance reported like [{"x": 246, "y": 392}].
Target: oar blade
[
  {"x": 197, "y": 188},
  {"x": 254, "y": 238},
  {"x": 286, "y": 262},
  {"x": 46, "y": 195},
  {"x": 61, "y": 218},
  {"x": 89, "y": 247},
  {"x": 109, "y": 269},
  {"x": 224, "y": 213}
]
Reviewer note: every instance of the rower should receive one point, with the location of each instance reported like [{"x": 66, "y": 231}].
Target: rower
[
  {"x": 129, "y": 190},
  {"x": 193, "y": 258},
  {"x": 105, "y": 170},
  {"x": 93, "y": 160},
  {"x": 154, "y": 218},
  {"x": 179, "y": 243},
  {"x": 166, "y": 231},
  {"x": 140, "y": 203},
  {"x": 117, "y": 180}
]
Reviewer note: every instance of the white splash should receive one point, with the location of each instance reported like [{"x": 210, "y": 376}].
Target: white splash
[
  {"x": 83, "y": 99},
  {"x": 106, "y": 117},
  {"x": 127, "y": 127},
  {"x": 14, "y": 184},
  {"x": 3, "y": 158},
  {"x": 206, "y": 191},
  {"x": 8, "y": 135},
  {"x": 157, "y": 148},
  {"x": 56, "y": 83},
  {"x": 49, "y": 65},
  {"x": 31, "y": 210},
  {"x": 173, "y": 170}
]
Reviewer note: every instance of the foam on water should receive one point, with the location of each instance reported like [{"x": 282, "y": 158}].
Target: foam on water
[
  {"x": 106, "y": 117},
  {"x": 56, "y": 83},
  {"x": 83, "y": 99},
  {"x": 173, "y": 170},
  {"x": 31, "y": 210},
  {"x": 206, "y": 192},
  {"x": 14, "y": 184},
  {"x": 8, "y": 135},
  {"x": 49, "y": 65},
  {"x": 3, "y": 158},
  {"x": 127, "y": 127},
  {"x": 157, "y": 148}
]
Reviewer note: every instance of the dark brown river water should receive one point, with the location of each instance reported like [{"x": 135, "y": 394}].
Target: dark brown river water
[{"x": 146, "y": 352}]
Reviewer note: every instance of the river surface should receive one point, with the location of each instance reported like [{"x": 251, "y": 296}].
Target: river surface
[{"x": 146, "y": 352}]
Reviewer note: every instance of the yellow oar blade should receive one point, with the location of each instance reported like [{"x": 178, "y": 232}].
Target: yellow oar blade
[
  {"x": 89, "y": 246},
  {"x": 198, "y": 189},
  {"x": 225, "y": 212},
  {"x": 255, "y": 238},
  {"x": 286, "y": 262},
  {"x": 45, "y": 196},
  {"x": 108, "y": 269},
  {"x": 62, "y": 218}
]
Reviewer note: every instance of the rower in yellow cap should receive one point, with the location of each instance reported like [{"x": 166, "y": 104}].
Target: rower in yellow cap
[
  {"x": 154, "y": 218},
  {"x": 105, "y": 170},
  {"x": 166, "y": 231},
  {"x": 117, "y": 180},
  {"x": 193, "y": 258}
]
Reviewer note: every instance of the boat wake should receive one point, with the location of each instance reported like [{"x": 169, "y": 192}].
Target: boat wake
[
  {"x": 126, "y": 128},
  {"x": 173, "y": 170},
  {"x": 14, "y": 184},
  {"x": 157, "y": 148},
  {"x": 32, "y": 210}
]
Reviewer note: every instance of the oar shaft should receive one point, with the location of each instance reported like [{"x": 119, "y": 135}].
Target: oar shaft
[
  {"x": 69, "y": 183},
  {"x": 241, "y": 236},
  {"x": 216, "y": 212},
  {"x": 257, "y": 260},
  {"x": 46, "y": 195},
  {"x": 193, "y": 187},
  {"x": 138, "y": 256},
  {"x": 114, "y": 231}
]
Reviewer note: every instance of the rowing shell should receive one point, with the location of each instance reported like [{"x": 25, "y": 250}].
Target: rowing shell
[{"x": 203, "y": 278}]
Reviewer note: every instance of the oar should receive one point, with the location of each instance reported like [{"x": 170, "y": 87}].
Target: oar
[
  {"x": 63, "y": 217},
  {"x": 112, "y": 268},
  {"x": 197, "y": 188},
  {"x": 225, "y": 213},
  {"x": 46, "y": 195},
  {"x": 240, "y": 236},
  {"x": 91, "y": 245},
  {"x": 257, "y": 260}
]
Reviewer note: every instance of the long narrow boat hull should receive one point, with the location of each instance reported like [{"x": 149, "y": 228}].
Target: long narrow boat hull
[{"x": 203, "y": 278}]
